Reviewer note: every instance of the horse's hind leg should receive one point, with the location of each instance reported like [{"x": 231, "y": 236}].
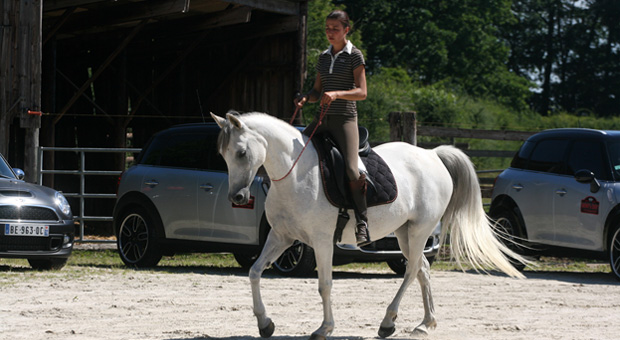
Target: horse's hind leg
[
  {"x": 424, "y": 278},
  {"x": 274, "y": 247},
  {"x": 412, "y": 247}
]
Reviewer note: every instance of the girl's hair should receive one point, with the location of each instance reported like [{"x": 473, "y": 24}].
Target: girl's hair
[{"x": 341, "y": 16}]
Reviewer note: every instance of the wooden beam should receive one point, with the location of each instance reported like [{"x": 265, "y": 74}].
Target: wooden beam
[
  {"x": 124, "y": 14},
  {"x": 233, "y": 16},
  {"x": 65, "y": 16},
  {"x": 437, "y": 131},
  {"x": 275, "y": 6},
  {"x": 100, "y": 70},
  {"x": 233, "y": 72},
  {"x": 53, "y": 5},
  {"x": 164, "y": 74}
]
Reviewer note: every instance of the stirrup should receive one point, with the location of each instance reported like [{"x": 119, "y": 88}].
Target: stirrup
[{"x": 362, "y": 237}]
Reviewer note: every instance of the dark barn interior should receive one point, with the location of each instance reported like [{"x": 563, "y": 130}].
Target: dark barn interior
[{"x": 129, "y": 68}]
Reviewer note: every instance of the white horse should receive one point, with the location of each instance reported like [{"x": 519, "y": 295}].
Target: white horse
[{"x": 433, "y": 185}]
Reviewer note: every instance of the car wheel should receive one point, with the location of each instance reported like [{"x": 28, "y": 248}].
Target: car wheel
[
  {"x": 399, "y": 266},
  {"x": 298, "y": 260},
  {"x": 246, "y": 260},
  {"x": 614, "y": 252},
  {"x": 510, "y": 233},
  {"x": 137, "y": 245},
  {"x": 47, "y": 264}
]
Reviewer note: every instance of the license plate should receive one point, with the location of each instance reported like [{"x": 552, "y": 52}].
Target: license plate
[{"x": 26, "y": 230}]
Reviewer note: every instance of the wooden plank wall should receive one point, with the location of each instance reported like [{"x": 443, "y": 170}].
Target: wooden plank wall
[{"x": 20, "y": 78}]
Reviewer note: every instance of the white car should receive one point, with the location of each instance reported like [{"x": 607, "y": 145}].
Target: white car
[
  {"x": 175, "y": 199},
  {"x": 561, "y": 195},
  {"x": 37, "y": 223}
]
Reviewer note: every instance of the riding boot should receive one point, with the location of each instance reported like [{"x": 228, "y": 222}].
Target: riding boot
[{"x": 358, "y": 195}]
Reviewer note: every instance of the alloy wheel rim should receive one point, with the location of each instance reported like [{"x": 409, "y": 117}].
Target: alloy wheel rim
[
  {"x": 615, "y": 253},
  {"x": 289, "y": 260},
  {"x": 133, "y": 238}
]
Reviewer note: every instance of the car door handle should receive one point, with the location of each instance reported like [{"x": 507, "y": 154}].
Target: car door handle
[
  {"x": 151, "y": 183},
  {"x": 517, "y": 187},
  {"x": 206, "y": 187},
  {"x": 561, "y": 192}
]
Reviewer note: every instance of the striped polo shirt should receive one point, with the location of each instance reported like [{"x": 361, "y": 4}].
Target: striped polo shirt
[{"x": 337, "y": 75}]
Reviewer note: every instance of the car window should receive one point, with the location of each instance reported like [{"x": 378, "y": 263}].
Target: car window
[
  {"x": 548, "y": 156},
  {"x": 520, "y": 159},
  {"x": 587, "y": 155},
  {"x": 5, "y": 169},
  {"x": 614, "y": 158},
  {"x": 180, "y": 150},
  {"x": 215, "y": 160}
]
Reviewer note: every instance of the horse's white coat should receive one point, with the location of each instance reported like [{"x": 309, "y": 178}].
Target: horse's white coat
[{"x": 297, "y": 209}]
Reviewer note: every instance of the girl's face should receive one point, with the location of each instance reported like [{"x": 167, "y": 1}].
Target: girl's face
[{"x": 335, "y": 32}]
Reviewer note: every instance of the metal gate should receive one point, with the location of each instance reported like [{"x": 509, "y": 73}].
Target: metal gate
[{"x": 81, "y": 174}]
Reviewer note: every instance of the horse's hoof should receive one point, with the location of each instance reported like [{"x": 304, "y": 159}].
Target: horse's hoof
[
  {"x": 267, "y": 331},
  {"x": 384, "y": 332},
  {"x": 315, "y": 336}
]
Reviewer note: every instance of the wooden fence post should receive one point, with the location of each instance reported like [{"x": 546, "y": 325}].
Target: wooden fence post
[
  {"x": 396, "y": 131},
  {"x": 409, "y": 128},
  {"x": 403, "y": 127}
]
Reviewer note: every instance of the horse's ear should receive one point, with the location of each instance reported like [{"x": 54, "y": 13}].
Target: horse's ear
[
  {"x": 219, "y": 120},
  {"x": 234, "y": 120}
]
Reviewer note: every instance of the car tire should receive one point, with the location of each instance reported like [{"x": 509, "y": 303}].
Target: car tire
[
  {"x": 614, "y": 251},
  {"x": 47, "y": 264},
  {"x": 136, "y": 238},
  {"x": 511, "y": 231},
  {"x": 297, "y": 260},
  {"x": 399, "y": 266},
  {"x": 246, "y": 260}
]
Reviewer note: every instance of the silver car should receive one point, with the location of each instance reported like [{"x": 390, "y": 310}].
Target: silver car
[
  {"x": 175, "y": 200},
  {"x": 561, "y": 195},
  {"x": 37, "y": 223}
]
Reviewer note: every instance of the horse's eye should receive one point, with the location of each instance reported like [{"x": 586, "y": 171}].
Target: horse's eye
[{"x": 241, "y": 153}]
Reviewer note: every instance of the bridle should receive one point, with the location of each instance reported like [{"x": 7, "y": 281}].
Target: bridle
[{"x": 324, "y": 109}]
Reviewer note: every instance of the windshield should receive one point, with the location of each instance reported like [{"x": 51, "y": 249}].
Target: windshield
[{"x": 5, "y": 169}]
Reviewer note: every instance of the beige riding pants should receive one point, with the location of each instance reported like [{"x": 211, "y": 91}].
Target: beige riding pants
[{"x": 345, "y": 133}]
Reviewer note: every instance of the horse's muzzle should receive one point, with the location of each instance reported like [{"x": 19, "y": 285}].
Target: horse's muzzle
[{"x": 241, "y": 197}]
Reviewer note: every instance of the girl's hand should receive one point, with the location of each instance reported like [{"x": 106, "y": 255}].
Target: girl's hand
[
  {"x": 329, "y": 97},
  {"x": 301, "y": 100}
]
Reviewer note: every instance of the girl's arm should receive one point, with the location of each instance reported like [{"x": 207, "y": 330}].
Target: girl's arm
[
  {"x": 358, "y": 93},
  {"x": 313, "y": 95}
]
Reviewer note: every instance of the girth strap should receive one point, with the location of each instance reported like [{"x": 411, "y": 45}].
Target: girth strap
[{"x": 343, "y": 219}]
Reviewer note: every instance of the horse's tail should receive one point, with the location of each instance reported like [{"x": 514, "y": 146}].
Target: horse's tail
[{"x": 472, "y": 234}]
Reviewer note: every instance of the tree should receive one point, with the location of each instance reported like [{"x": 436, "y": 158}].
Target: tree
[
  {"x": 570, "y": 49},
  {"x": 439, "y": 41}
]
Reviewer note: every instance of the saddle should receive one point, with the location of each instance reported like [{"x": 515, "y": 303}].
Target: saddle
[{"x": 381, "y": 183}]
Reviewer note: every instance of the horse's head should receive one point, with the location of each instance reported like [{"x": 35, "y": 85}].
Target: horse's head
[{"x": 244, "y": 151}]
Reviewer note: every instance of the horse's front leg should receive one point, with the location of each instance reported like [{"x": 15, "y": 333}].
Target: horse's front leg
[
  {"x": 274, "y": 246},
  {"x": 323, "y": 253}
]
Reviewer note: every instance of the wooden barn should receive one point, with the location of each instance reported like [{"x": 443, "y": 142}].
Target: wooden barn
[{"x": 89, "y": 73}]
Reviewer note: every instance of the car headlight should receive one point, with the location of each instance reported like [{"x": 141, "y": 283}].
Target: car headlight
[{"x": 63, "y": 204}]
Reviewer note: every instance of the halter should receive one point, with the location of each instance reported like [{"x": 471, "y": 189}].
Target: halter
[{"x": 324, "y": 109}]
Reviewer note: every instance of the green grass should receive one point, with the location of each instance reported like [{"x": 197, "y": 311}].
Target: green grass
[{"x": 83, "y": 262}]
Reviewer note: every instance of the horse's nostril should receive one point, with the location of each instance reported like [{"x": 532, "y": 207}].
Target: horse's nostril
[{"x": 238, "y": 198}]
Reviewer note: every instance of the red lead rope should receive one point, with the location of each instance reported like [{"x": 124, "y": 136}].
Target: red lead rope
[{"x": 324, "y": 109}]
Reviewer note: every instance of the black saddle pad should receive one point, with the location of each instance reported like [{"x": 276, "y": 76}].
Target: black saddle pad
[{"x": 383, "y": 189}]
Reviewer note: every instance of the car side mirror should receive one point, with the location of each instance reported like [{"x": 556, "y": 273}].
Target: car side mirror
[
  {"x": 19, "y": 173},
  {"x": 587, "y": 176}
]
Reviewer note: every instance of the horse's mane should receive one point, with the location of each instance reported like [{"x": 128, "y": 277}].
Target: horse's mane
[{"x": 254, "y": 120}]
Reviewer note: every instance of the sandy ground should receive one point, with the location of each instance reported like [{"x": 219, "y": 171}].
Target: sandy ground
[{"x": 207, "y": 303}]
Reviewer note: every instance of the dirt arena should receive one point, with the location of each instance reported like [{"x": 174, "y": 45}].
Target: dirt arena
[{"x": 199, "y": 303}]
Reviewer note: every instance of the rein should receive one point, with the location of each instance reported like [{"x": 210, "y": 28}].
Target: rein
[{"x": 324, "y": 109}]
